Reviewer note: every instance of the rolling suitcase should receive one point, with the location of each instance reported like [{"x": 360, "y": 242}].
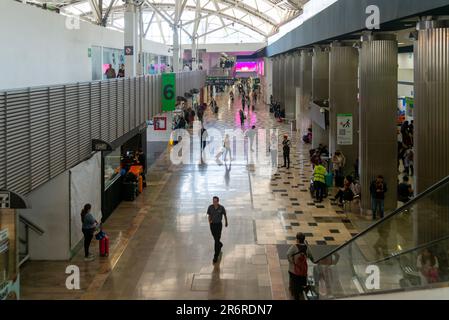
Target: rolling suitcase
[{"x": 104, "y": 246}]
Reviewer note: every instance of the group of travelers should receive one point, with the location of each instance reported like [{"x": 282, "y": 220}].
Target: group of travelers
[
  {"x": 275, "y": 108},
  {"x": 111, "y": 73}
]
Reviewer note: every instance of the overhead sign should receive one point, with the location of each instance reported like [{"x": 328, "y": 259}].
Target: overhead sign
[
  {"x": 5, "y": 200},
  {"x": 168, "y": 92},
  {"x": 100, "y": 145},
  {"x": 345, "y": 127},
  {"x": 221, "y": 81}
]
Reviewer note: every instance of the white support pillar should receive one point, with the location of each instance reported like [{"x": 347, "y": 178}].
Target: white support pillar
[{"x": 131, "y": 39}]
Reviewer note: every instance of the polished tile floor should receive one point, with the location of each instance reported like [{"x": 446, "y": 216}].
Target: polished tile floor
[{"x": 161, "y": 246}]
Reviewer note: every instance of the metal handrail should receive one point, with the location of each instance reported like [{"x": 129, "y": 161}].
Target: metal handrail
[
  {"x": 390, "y": 216},
  {"x": 422, "y": 246},
  {"x": 31, "y": 225}
]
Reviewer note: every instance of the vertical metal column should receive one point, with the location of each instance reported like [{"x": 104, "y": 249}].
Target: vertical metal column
[
  {"x": 320, "y": 90},
  {"x": 297, "y": 84},
  {"x": 431, "y": 134},
  {"x": 275, "y": 77},
  {"x": 282, "y": 81},
  {"x": 431, "y": 103},
  {"x": 378, "y": 104},
  {"x": 305, "y": 91},
  {"x": 343, "y": 90},
  {"x": 289, "y": 87}
]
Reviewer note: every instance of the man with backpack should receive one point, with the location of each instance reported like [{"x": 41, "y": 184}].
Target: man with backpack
[{"x": 297, "y": 256}]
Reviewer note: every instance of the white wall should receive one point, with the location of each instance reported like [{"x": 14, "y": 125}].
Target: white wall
[
  {"x": 50, "y": 209},
  {"x": 85, "y": 187},
  {"x": 38, "y": 48}
]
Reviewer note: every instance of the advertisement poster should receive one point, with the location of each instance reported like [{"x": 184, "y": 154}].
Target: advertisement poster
[
  {"x": 345, "y": 127},
  {"x": 168, "y": 92}
]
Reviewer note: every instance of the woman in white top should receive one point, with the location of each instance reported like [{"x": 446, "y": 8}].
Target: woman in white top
[
  {"x": 227, "y": 146},
  {"x": 428, "y": 266}
]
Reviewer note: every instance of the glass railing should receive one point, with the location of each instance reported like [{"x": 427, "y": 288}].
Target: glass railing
[{"x": 408, "y": 249}]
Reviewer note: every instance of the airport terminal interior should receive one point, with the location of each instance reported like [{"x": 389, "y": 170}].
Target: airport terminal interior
[{"x": 224, "y": 150}]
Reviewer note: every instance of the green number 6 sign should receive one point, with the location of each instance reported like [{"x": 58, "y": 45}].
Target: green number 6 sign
[{"x": 168, "y": 92}]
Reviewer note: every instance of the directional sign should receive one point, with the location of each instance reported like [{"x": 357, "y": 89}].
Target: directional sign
[
  {"x": 345, "y": 129},
  {"x": 129, "y": 51},
  {"x": 169, "y": 92}
]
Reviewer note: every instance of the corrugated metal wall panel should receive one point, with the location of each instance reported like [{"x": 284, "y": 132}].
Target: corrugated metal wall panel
[
  {"x": 84, "y": 121},
  {"x": 3, "y": 140},
  {"x": 132, "y": 104},
  {"x": 39, "y": 137},
  {"x": 138, "y": 105},
  {"x": 113, "y": 110},
  {"x": 104, "y": 124},
  {"x": 57, "y": 131},
  {"x": 95, "y": 110},
  {"x": 120, "y": 107},
  {"x": 45, "y": 131},
  {"x": 127, "y": 111},
  {"x": 72, "y": 125},
  {"x": 17, "y": 142}
]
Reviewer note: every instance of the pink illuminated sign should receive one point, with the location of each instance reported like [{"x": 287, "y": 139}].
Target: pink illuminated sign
[{"x": 246, "y": 67}]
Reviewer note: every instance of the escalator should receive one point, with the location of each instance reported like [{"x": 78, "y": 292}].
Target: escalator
[{"x": 408, "y": 250}]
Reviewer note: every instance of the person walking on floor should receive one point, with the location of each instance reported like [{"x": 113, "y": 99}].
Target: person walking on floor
[
  {"x": 215, "y": 214},
  {"x": 297, "y": 256},
  {"x": 286, "y": 145},
  {"x": 88, "y": 228},
  {"x": 319, "y": 180},
  {"x": 251, "y": 133},
  {"x": 227, "y": 148},
  {"x": 378, "y": 188},
  {"x": 274, "y": 150},
  {"x": 242, "y": 118}
]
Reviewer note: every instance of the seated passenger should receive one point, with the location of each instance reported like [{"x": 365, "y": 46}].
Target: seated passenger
[
  {"x": 345, "y": 193},
  {"x": 428, "y": 266}
]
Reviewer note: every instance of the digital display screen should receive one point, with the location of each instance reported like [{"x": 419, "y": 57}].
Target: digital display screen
[{"x": 246, "y": 67}]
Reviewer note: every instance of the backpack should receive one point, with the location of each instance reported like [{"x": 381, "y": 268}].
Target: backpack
[{"x": 300, "y": 262}]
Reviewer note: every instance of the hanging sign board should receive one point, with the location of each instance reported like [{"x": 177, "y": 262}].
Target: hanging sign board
[
  {"x": 168, "y": 92},
  {"x": 5, "y": 199},
  {"x": 345, "y": 127}
]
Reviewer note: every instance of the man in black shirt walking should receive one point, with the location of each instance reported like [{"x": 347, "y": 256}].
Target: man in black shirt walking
[
  {"x": 286, "y": 144},
  {"x": 215, "y": 213}
]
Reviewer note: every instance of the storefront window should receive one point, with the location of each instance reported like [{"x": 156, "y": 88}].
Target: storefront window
[
  {"x": 9, "y": 285},
  {"x": 111, "y": 167}
]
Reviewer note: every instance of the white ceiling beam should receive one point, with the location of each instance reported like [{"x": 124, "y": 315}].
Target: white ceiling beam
[
  {"x": 95, "y": 10},
  {"x": 215, "y": 30},
  {"x": 149, "y": 24},
  {"x": 217, "y": 7}
]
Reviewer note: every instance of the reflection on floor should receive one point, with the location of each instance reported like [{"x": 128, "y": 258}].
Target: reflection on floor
[{"x": 161, "y": 246}]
